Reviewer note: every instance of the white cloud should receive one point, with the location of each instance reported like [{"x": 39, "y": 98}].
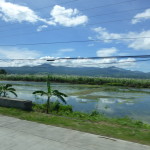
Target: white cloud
[
  {"x": 139, "y": 43},
  {"x": 40, "y": 28},
  {"x": 10, "y": 12},
  {"x": 106, "y": 52},
  {"x": 67, "y": 17},
  {"x": 100, "y": 63},
  {"x": 16, "y": 53},
  {"x": 141, "y": 16},
  {"x": 104, "y": 34}
]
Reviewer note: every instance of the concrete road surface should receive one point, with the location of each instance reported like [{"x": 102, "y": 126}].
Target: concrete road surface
[{"x": 16, "y": 134}]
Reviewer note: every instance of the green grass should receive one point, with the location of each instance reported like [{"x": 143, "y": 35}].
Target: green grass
[
  {"x": 138, "y": 83},
  {"x": 123, "y": 128}
]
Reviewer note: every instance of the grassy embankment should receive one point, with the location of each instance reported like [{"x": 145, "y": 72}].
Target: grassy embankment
[
  {"x": 123, "y": 128},
  {"x": 138, "y": 83}
]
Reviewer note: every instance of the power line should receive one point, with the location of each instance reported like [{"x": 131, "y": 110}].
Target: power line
[
  {"x": 67, "y": 42},
  {"x": 35, "y": 32},
  {"x": 108, "y": 57},
  {"x": 97, "y": 63},
  {"x": 101, "y": 5},
  {"x": 107, "y": 5},
  {"x": 128, "y": 10},
  {"x": 114, "y": 62},
  {"x": 52, "y": 6},
  {"x": 104, "y": 22},
  {"x": 77, "y": 58},
  {"x": 56, "y": 4},
  {"x": 125, "y": 61},
  {"x": 92, "y": 7}
]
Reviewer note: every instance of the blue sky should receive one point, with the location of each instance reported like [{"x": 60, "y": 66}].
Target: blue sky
[{"x": 39, "y": 21}]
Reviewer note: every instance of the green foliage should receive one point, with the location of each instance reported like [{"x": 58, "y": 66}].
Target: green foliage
[
  {"x": 95, "y": 113},
  {"x": 3, "y": 72},
  {"x": 5, "y": 89},
  {"x": 39, "y": 107},
  {"x": 50, "y": 93},
  {"x": 56, "y": 107},
  {"x": 138, "y": 83}
]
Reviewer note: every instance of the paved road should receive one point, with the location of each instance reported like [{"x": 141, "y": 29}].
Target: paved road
[{"x": 16, "y": 134}]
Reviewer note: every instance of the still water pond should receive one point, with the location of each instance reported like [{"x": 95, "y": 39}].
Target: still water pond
[{"x": 112, "y": 101}]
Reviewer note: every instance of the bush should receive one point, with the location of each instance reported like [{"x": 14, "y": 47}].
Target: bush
[
  {"x": 94, "y": 113},
  {"x": 54, "y": 107},
  {"x": 39, "y": 107}
]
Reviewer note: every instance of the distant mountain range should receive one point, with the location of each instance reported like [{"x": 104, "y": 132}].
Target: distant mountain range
[{"x": 81, "y": 71}]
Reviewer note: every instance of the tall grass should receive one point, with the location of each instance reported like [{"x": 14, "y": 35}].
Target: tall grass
[{"x": 139, "y": 83}]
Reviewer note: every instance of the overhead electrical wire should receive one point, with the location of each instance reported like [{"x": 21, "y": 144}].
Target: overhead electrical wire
[
  {"x": 128, "y": 10},
  {"x": 97, "y": 63},
  {"x": 108, "y": 57},
  {"x": 36, "y": 32},
  {"x": 104, "y": 22},
  {"x": 147, "y": 58},
  {"x": 94, "y": 7},
  {"x": 52, "y": 6},
  {"x": 107, "y": 5},
  {"x": 67, "y": 2},
  {"x": 115, "y": 62},
  {"x": 120, "y": 62},
  {"x": 67, "y": 42},
  {"x": 100, "y": 5},
  {"x": 77, "y": 58}
]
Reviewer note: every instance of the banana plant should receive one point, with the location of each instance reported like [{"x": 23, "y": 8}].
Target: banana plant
[
  {"x": 50, "y": 93},
  {"x": 5, "y": 89}
]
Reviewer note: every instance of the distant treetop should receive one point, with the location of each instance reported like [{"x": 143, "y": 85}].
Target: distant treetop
[{"x": 2, "y": 71}]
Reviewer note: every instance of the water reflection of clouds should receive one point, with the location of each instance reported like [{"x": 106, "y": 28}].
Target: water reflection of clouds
[
  {"x": 115, "y": 101},
  {"x": 102, "y": 107},
  {"x": 107, "y": 101},
  {"x": 79, "y": 100},
  {"x": 129, "y": 104}
]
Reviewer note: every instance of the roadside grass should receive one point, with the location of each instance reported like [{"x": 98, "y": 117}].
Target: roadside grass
[{"x": 123, "y": 128}]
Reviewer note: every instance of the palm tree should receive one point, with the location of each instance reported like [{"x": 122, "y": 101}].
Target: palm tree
[
  {"x": 5, "y": 89},
  {"x": 50, "y": 93}
]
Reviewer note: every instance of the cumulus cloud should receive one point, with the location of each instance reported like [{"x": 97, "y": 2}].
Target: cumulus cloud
[
  {"x": 139, "y": 43},
  {"x": 104, "y": 34},
  {"x": 67, "y": 17},
  {"x": 106, "y": 52},
  {"x": 141, "y": 16},
  {"x": 10, "y": 12}
]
